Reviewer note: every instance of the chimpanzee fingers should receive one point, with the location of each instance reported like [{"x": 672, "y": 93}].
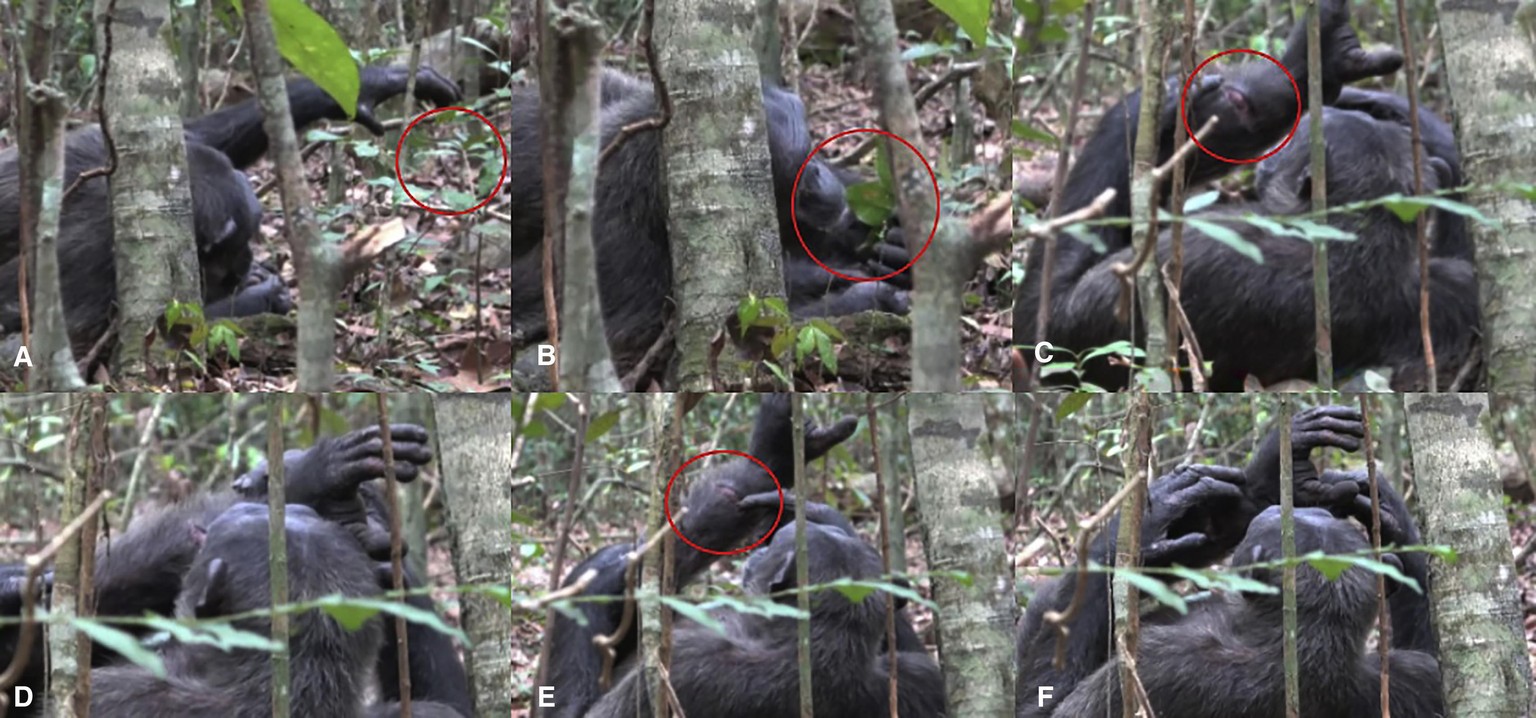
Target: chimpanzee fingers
[
  {"x": 1336, "y": 426},
  {"x": 765, "y": 500},
  {"x": 434, "y": 88},
  {"x": 820, "y": 439},
  {"x": 365, "y": 118},
  {"x": 1325, "y": 493},
  {"x": 1172, "y": 550},
  {"x": 892, "y": 254},
  {"x": 1359, "y": 64},
  {"x": 374, "y": 541}
]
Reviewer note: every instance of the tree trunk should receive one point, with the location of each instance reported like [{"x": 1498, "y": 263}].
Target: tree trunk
[
  {"x": 1490, "y": 64},
  {"x": 1483, "y": 663},
  {"x": 962, "y": 532},
  {"x": 475, "y": 449}
]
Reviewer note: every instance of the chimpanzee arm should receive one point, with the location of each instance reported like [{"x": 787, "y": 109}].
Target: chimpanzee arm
[
  {"x": 141, "y": 570},
  {"x": 237, "y": 130},
  {"x": 1255, "y": 103},
  {"x": 437, "y": 674},
  {"x": 1191, "y": 497},
  {"x": 326, "y": 476},
  {"x": 1411, "y": 627}
]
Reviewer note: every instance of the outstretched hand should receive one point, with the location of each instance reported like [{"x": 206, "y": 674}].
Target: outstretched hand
[{"x": 380, "y": 84}]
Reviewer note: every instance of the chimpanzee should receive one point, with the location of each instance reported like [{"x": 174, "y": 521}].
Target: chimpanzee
[
  {"x": 146, "y": 569},
  {"x": 228, "y": 577},
  {"x": 850, "y": 665},
  {"x": 1450, "y": 235},
  {"x": 1224, "y": 657},
  {"x": 1257, "y": 106},
  {"x": 714, "y": 520},
  {"x": 629, "y": 228},
  {"x": 1240, "y": 310},
  {"x": 226, "y": 213}
]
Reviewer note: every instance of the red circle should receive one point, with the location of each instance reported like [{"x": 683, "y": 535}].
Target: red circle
[
  {"x": 795, "y": 190},
  {"x": 666, "y": 502},
  {"x": 1184, "y": 107},
  {"x": 506, "y": 161}
]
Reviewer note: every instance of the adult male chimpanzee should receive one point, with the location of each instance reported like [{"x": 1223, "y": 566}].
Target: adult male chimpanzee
[
  {"x": 850, "y": 665},
  {"x": 149, "y": 567},
  {"x": 228, "y": 577},
  {"x": 733, "y": 505},
  {"x": 1256, "y": 106},
  {"x": 1240, "y": 310},
  {"x": 1224, "y": 657},
  {"x": 226, "y": 213},
  {"x": 629, "y": 228}
]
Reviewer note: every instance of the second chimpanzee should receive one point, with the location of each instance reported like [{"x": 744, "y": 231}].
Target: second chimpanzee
[
  {"x": 1255, "y": 319},
  {"x": 1223, "y": 657},
  {"x": 229, "y": 576},
  {"x": 151, "y": 567},
  {"x": 225, "y": 211},
  {"x": 850, "y": 665},
  {"x": 634, "y": 264},
  {"x": 1256, "y": 106}
]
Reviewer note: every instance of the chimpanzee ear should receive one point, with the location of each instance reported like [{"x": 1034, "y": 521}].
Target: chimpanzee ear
[
  {"x": 209, "y": 598},
  {"x": 198, "y": 532},
  {"x": 782, "y": 571}
]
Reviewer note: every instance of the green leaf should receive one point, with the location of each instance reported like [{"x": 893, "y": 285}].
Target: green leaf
[
  {"x": 1200, "y": 201},
  {"x": 826, "y": 352},
  {"x": 124, "y": 644},
  {"x": 1026, "y": 131},
  {"x": 601, "y": 425},
  {"x": 970, "y": 15},
  {"x": 1229, "y": 237},
  {"x": 1071, "y": 403},
  {"x": 1156, "y": 589},
  {"x": 693, "y": 612},
  {"x": 314, "y": 48}
]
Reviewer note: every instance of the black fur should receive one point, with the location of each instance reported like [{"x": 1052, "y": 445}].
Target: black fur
[
  {"x": 724, "y": 512},
  {"x": 1249, "y": 318},
  {"x": 850, "y": 667},
  {"x": 1223, "y": 658},
  {"x": 152, "y": 567},
  {"x": 1255, "y": 319},
  {"x": 634, "y": 265},
  {"x": 225, "y": 210}
]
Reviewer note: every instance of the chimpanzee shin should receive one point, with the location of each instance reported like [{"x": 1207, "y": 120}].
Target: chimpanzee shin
[
  {"x": 1224, "y": 657},
  {"x": 225, "y": 210},
  {"x": 154, "y": 568},
  {"x": 634, "y": 265}
]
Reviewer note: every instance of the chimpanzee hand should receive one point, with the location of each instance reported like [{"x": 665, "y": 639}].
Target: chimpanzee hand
[
  {"x": 816, "y": 513},
  {"x": 326, "y": 476},
  {"x": 1339, "y": 427},
  {"x": 773, "y": 437},
  {"x": 1344, "y": 60},
  {"x": 262, "y": 291},
  {"x": 379, "y": 84},
  {"x": 1194, "y": 516}
]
